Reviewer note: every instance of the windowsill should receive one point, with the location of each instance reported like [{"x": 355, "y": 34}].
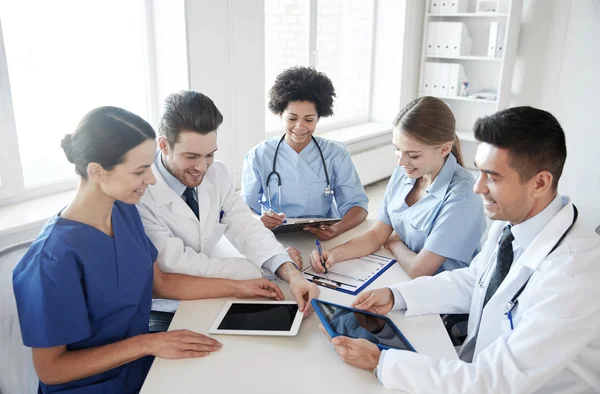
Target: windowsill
[
  {"x": 361, "y": 137},
  {"x": 26, "y": 215}
]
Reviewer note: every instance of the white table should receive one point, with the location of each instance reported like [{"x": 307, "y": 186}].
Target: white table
[{"x": 306, "y": 363}]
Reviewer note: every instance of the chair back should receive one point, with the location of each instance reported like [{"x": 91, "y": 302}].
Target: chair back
[{"x": 17, "y": 374}]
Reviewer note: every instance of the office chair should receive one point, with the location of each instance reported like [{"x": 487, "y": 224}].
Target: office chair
[{"x": 17, "y": 374}]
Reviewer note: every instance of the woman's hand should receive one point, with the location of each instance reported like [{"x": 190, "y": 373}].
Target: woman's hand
[
  {"x": 271, "y": 219},
  {"x": 315, "y": 260},
  {"x": 181, "y": 344},
  {"x": 324, "y": 232}
]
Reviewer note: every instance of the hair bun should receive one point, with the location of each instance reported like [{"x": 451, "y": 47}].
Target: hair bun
[{"x": 67, "y": 145}]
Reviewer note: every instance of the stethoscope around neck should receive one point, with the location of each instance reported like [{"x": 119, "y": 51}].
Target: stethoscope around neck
[{"x": 328, "y": 190}]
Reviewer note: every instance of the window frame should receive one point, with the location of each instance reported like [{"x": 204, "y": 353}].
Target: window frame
[
  {"x": 312, "y": 58},
  {"x": 12, "y": 184}
]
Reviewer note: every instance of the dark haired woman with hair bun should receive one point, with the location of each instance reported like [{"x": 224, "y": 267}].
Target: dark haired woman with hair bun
[
  {"x": 84, "y": 288},
  {"x": 298, "y": 174}
]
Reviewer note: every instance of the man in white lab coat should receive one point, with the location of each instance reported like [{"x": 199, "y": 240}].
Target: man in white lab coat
[
  {"x": 193, "y": 204},
  {"x": 532, "y": 294}
]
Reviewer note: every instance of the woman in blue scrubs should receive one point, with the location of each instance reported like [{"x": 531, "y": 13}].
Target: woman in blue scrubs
[
  {"x": 299, "y": 175},
  {"x": 84, "y": 288},
  {"x": 430, "y": 218}
]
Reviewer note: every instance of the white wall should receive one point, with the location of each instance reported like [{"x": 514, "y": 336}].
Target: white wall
[
  {"x": 226, "y": 62},
  {"x": 556, "y": 70}
]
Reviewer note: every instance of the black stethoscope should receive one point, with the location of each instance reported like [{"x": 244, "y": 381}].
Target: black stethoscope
[
  {"x": 273, "y": 173},
  {"x": 510, "y": 305}
]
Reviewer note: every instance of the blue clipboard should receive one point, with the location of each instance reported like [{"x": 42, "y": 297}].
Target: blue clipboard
[
  {"x": 336, "y": 285},
  {"x": 391, "y": 339}
]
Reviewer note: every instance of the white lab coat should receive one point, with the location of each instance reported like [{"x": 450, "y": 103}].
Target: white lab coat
[
  {"x": 185, "y": 243},
  {"x": 555, "y": 344}
]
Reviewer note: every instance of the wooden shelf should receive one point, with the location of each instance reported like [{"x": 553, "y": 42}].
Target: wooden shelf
[
  {"x": 470, "y": 15},
  {"x": 475, "y": 58}
]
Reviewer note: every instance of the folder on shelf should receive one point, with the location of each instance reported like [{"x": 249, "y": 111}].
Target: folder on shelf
[
  {"x": 431, "y": 38},
  {"x": 455, "y": 6},
  {"x": 458, "y": 37},
  {"x": 496, "y": 40},
  {"x": 434, "y": 7},
  {"x": 443, "y": 74},
  {"x": 426, "y": 82},
  {"x": 456, "y": 76}
]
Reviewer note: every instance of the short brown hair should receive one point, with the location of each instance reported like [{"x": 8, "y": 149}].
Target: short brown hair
[
  {"x": 533, "y": 138},
  {"x": 191, "y": 111}
]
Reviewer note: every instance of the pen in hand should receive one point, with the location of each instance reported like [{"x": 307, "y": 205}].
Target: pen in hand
[
  {"x": 321, "y": 257},
  {"x": 266, "y": 206}
]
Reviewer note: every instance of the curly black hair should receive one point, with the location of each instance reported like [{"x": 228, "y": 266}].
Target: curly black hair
[{"x": 302, "y": 84}]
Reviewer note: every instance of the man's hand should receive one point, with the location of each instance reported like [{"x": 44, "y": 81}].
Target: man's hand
[
  {"x": 359, "y": 353},
  {"x": 258, "y": 288},
  {"x": 379, "y": 301},
  {"x": 295, "y": 255},
  {"x": 303, "y": 291},
  {"x": 324, "y": 232},
  {"x": 271, "y": 219}
]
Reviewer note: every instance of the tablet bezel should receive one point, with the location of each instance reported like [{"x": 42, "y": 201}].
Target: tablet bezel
[
  {"x": 315, "y": 303},
  {"x": 293, "y": 331},
  {"x": 301, "y": 223}
]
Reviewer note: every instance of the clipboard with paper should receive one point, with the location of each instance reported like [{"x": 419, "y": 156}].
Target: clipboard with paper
[{"x": 351, "y": 276}]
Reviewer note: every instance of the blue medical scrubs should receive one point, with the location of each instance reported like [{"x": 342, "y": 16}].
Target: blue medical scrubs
[
  {"x": 303, "y": 180},
  {"x": 448, "y": 220},
  {"x": 77, "y": 286}
]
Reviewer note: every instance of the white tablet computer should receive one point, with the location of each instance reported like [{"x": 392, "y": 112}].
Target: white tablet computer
[{"x": 279, "y": 318}]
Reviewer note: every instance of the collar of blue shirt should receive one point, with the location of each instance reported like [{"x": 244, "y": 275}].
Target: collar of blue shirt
[
  {"x": 526, "y": 232},
  {"x": 442, "y": 180},
  {"x": 173, "y": 182}
]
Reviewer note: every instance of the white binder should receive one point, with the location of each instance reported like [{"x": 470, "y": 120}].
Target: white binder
[
  {"x": 443, "y": 74},
  {"x": 434, "y": 7},
  {"x": 438, "y": 37},
  {"x": 427, "y": 82},
  {"x": 455, "y": 6},
  {"x": 456, "y": 76},
  {"x": 460, "y": 42},
  {"x": 431, "y": 38},
  {"x": 496, "y": 40}
]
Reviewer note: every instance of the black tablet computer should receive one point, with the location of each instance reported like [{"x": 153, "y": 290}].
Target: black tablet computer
[
  {"x": 294, "y": 225},
  {"x": 353, "y": 323}
]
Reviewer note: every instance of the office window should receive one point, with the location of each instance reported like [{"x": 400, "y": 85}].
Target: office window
[
  {"x": 63, "y": 59},
  {"x": 334, "y": 36}
]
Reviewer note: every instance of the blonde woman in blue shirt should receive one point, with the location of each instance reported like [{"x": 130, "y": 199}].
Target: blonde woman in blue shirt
[{"x": 430, "y": 218}]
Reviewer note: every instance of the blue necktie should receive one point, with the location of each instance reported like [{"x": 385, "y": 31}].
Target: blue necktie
[
  {"x": 191, "y": 201},
  {"x": 504, "y": 260}
]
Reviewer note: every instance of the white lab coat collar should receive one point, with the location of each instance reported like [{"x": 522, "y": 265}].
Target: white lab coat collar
[
  {"x": 526, "y": 231},
  {"x": 162, "y": 194}
]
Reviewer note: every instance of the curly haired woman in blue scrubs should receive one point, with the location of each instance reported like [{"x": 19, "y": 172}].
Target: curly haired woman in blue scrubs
[
  {"x": 430, "y": 218},
  {"x": 298, "y": 174},
  {"x": 84, "y": 289}
]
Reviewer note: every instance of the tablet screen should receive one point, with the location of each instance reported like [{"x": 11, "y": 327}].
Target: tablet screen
[
  {"x": 355, "y": 324},
  {"x": 259, "y": 317}
]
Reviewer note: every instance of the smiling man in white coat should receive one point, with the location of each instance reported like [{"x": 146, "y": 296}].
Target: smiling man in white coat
[
  {"x": 193, "y": 204},
  {"x": 532, "y": 293}
]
